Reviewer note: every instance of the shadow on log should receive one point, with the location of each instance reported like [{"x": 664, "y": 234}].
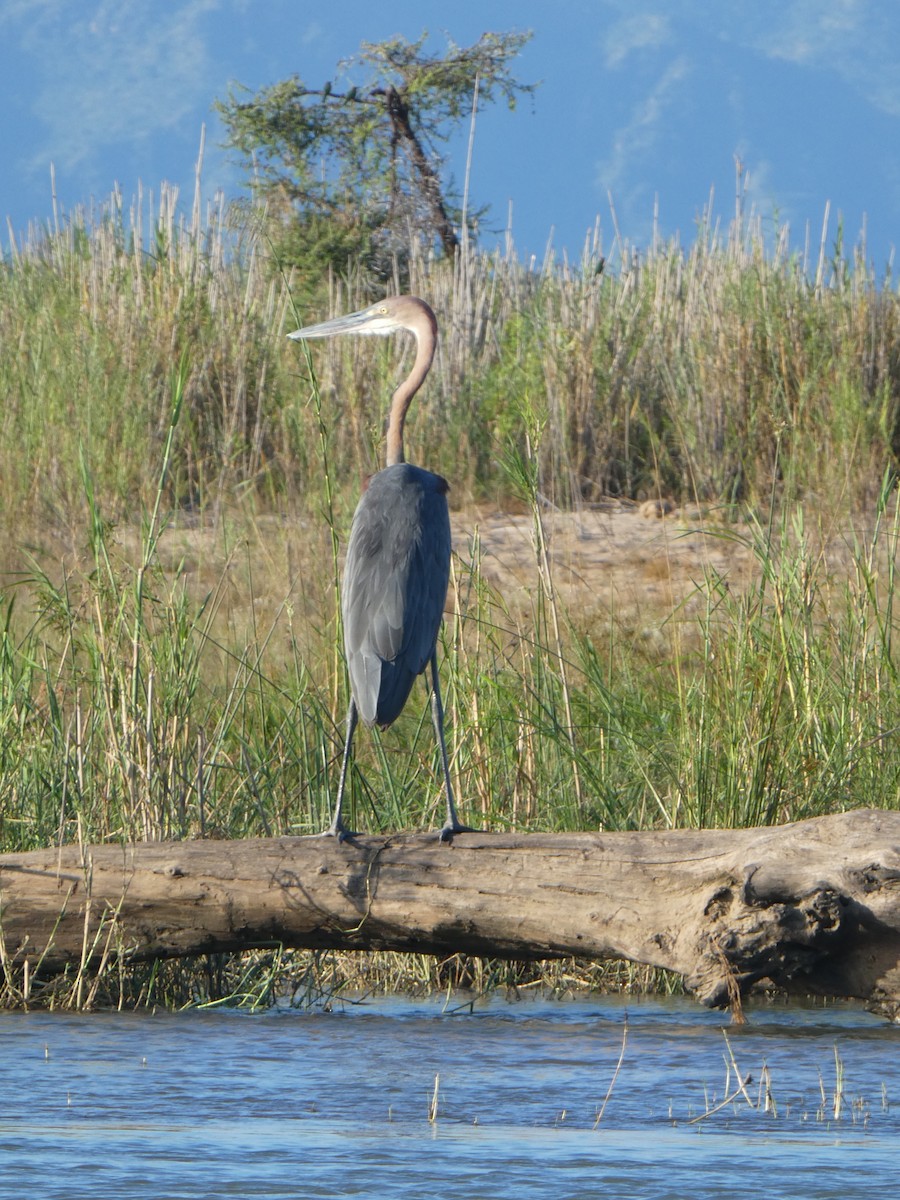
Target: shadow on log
[{"x": 814, "y": 906}]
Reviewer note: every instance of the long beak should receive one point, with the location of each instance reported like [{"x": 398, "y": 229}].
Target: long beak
[{"x": 352, "y": 323}]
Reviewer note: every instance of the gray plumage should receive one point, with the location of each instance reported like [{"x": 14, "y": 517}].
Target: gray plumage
[{"x": 395, "y": 586}]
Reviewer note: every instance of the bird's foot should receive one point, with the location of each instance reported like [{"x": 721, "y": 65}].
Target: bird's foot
[
  {"x": 341, "y": 832},
  {"x": 451, "y": 828}
]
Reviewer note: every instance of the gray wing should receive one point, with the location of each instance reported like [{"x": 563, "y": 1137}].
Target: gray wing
[{"x": 395, "y": 587}]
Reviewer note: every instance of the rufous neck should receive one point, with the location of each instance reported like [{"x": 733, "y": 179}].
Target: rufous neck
[{"x": 402, "y": 398}]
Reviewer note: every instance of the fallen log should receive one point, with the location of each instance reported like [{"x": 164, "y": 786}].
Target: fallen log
[{"x": 813, "y": 907}]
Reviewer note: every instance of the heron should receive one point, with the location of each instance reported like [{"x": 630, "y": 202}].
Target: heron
[{"x": 398, "y": 560}]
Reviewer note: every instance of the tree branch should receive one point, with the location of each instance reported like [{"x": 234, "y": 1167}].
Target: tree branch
[{"x": 429, "y": 184}]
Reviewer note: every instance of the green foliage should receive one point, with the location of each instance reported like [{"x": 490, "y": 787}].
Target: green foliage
[{"x": 348, "y": 171}]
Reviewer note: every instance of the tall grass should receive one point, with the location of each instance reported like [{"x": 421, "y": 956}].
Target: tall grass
[
  {"x": 176, "y": 482},
  {"x": 133, "y": 705},
  {"x": 705, "y": 373}
]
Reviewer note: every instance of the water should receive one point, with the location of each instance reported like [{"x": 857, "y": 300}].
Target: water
[{"x": 315, "y": 1104}]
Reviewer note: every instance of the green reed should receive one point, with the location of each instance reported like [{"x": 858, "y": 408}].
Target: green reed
[{"x": 702, "y": 373}]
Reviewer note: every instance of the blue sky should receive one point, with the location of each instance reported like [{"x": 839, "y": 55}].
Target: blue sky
[{"x": 646, "y": 100}]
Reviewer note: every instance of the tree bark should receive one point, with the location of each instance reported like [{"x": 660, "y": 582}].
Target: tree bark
[
  {"x": 814, "y": 906},
  {"x": 429, "y": 184}
]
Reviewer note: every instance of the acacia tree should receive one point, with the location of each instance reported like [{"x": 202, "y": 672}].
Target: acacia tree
[{"x": 353, "y": 167}]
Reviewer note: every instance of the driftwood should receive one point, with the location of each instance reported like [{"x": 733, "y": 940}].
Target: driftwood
[{"x": 813, "y": 907}]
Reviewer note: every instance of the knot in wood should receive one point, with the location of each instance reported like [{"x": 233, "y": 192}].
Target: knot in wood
[{"x": 781, "y": 941}]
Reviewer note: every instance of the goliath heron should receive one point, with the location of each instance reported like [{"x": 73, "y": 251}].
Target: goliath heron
[{"x": 398, "y": 559}]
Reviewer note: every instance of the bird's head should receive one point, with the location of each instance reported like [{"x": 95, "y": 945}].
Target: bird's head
[{"x": 384, "y": 316}]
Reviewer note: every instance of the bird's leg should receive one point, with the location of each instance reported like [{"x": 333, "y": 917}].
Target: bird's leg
[
  {"x": 452, "y": 824},
  {"x": 337, "y": 828}
]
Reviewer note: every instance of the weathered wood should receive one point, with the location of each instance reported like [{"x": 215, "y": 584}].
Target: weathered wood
[{"x": 813, "y": 906}]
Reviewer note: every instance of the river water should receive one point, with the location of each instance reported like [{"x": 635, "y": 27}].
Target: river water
[{"x": 308, "y": 1104}]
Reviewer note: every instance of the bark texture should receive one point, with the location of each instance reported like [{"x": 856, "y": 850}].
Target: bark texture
[{"x": 812, "y": 906}]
